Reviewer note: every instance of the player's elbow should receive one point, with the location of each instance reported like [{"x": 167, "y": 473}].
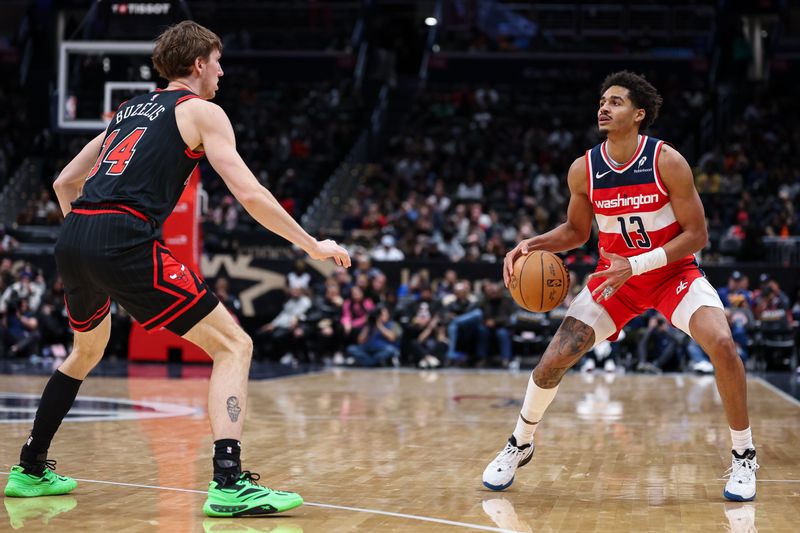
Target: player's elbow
[
  {"x": 579, "y": 235},
  {"x": 584, "y": 236},
  {"x": 253, "y": 199},
  {"x": 61, "y": 184},
  {"x": 248, "y": 199},
  {"x": 701, "y": 238}
]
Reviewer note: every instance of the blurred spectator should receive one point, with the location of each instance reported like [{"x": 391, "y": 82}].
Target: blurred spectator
[
  {"x": 21, "y": 329},
  {"x": 604, "y": 355},
  {"x": 496, "y": 309},
  {"x": 740, "y": 319},
  {"x": 7, "y": 243},
  {"x": 283, "y": 336},
  {"x": 355, "y": 311},
  {"x": 26, "y": 288},
  {"x": 54, "y": 328},
  {"x": 701, "y": 363},
  {"x": 298, "y": 278},
  {"x": 658, "y": 347},
  {"x": 378, "y": 291},
  {"x": 387, "y": 251},
  {"x": 363, "y": 267},
  {"x": 464, "y": 317},
  {"x": 324, "y": 319},
  {"x": 447, "y": 286},
  {"x": 428, "y": 338},
  {"x": 6, "y": 275},
  {"x": 736, "y": 294},
  {"x": 227, "y": 298},
  {"x": 377, "y": 342},
  {"x": 770, "y": 302}
]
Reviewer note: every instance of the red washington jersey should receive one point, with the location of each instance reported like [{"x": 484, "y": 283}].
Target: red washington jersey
[{"x": 631, "y": 204}]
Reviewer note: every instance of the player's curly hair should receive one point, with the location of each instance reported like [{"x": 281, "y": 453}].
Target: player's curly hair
[
  {"x": 178, "y": 46},
  {"x": 643, "y": 94}
]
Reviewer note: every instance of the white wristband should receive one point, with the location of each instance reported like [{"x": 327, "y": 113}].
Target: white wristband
[{"x": 648, "y": 261}]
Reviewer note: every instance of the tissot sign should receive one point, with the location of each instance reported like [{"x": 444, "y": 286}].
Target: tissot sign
[{"x": 140, "y": 8}]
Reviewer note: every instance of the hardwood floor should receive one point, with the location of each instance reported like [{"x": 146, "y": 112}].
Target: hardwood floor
[{"x": 403, "y": 451}]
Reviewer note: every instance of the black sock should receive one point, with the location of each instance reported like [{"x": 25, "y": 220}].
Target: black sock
[
  {"x": 57, "y": 399},
  {"x": 227, "y": 465}
]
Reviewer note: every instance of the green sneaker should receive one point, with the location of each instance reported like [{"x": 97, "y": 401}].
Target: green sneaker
[
  {"x": 247, "y": 498},
  {"x": 22, "y": 484}
]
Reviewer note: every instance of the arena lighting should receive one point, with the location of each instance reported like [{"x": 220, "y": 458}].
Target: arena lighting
[{"x": 431, "y": 21}]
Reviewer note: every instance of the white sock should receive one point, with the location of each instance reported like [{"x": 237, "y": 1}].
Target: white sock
[
  {"x": 742, "y": 440},
  {"x": 536, "y": 401}
]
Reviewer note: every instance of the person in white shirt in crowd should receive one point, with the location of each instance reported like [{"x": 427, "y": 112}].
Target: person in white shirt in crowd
[{"x": 387, "y": 251}]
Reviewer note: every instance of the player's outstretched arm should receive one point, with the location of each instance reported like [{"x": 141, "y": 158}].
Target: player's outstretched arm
[
  {"x": 217, "y": 138},
  {"x": 572, "y": 233},
  {"x": 69, "y": 183}
]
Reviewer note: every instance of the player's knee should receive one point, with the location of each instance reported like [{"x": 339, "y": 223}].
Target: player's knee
[
  {"x": 723, "y": 348},
  {"x": 89, "y": 355},
  {"x": 242, "y": 344}
]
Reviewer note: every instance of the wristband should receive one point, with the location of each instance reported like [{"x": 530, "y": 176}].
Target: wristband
[{"x": 648, "y": 261}]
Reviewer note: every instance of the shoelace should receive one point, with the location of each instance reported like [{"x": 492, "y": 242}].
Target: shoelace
[
  {"x": 47, "y": 464},
  {"x": 742, "y": 468},
  {"x": 509, "y": 456},
  {"x": 250, "y": 477}
]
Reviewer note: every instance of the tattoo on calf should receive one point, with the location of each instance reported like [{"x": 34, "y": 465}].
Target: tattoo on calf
[
  {"x": 572, "y": 340},
  {"x": 233, "y": 408}
]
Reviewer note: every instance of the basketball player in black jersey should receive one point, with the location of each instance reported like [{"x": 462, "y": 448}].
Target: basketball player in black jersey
[{"x": 115, "y": 195}]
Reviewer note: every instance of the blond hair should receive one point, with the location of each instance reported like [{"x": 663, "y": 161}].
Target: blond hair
[{"x": 178, "y": 46}]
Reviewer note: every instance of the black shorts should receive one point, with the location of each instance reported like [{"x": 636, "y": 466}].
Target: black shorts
[{"x": 113, "y": 252}]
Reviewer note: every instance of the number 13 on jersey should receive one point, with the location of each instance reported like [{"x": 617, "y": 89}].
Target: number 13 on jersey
[{"x": 642, "y": 240}]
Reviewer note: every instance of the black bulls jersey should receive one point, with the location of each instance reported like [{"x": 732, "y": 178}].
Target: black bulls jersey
[{"x": 144, "y": 163}]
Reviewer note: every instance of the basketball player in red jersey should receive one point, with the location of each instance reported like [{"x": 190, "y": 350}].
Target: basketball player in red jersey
[
  {"x": 651, "y": 221},
  {"x": 115, "y": 196}
]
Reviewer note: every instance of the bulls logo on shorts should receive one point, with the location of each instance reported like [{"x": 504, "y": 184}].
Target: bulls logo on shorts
[{"x": 173, "y": 279}]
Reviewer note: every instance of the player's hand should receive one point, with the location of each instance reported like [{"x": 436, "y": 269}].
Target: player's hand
[
  {"x": 328, "y": 249},
  {"x": 523, "y": 248},
  {"x": 615, "y": 275}
]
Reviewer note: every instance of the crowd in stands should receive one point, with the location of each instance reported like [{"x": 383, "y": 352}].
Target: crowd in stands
[
  {"x": 355, "y": 318},
  {"x": 292, "y": 136},
  {"x": 749, "y": 183},
  {"x": 17, "y": 133},
  {"x": 472, "y": 171},
  {"x": 762, "y": 314},
  {"x": 476, "y": 169}
]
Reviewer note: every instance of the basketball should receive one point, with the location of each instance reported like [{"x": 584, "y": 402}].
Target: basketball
[{"x": 540, "y": 281}]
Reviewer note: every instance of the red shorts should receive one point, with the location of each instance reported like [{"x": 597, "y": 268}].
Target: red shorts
[{"x": 661, "y": 289}]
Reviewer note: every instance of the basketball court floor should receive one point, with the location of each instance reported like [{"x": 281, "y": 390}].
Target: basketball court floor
[{"x": 403, "y": 451}]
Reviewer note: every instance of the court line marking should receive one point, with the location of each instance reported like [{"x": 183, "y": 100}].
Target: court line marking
[
  {"x": 767, "y": 480},
  {"x": 323, "y": 505},
  {"x": 158, "y": 409},
  {"x": 789, "y": 398}
]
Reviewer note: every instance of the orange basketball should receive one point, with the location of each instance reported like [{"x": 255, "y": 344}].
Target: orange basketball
[{"x": 540, "y": 281}]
